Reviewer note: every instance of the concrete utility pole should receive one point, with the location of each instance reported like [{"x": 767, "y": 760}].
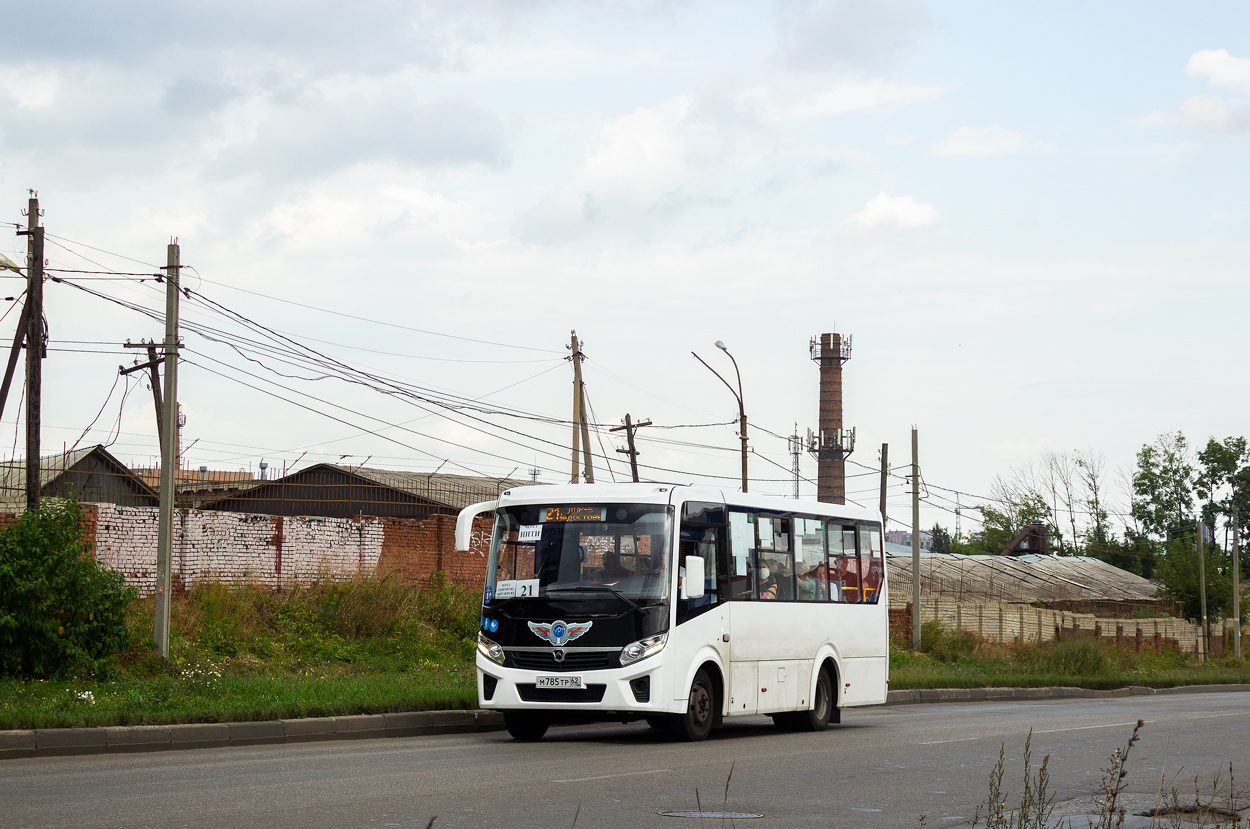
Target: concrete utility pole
[
  {"x": 1236, "y": 582},
  {"x": 1202, "y": 589},
  {"x": 629, "y": 428},
  {"x": 581, "y": 432},
  {"x": 169, "y": 459},
  {"x": 915, "y": 539},
  {"x": 34, "y": 347},
  {"x": 885, "y": 474}
]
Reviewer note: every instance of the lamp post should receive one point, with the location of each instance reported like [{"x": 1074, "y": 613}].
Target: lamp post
[{"x": 742, "y": 414}]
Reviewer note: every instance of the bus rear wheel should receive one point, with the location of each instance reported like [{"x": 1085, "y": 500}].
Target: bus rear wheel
[
  {"x": 524, "y": 727},
  {"x": 823, "y": 710},
  {"x": 696, "y": 723}
]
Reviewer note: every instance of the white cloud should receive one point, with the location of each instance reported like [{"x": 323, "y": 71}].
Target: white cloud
[
  {"x": 1220, "y": 68},
  {"x": 857, "y": 32},
  {"x": 886, "y": 212},
  {"x": 992, "y": 140},
  {"x": 768, "y": 103},
  {"x": 31, "y": 89},
  {"x": 1206, "y": 113}
]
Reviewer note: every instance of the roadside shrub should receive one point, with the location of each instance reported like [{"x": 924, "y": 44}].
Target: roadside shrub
[
  {"x": 59, "y": 609},
  {"x": 946, "y": 645},
  {"x": 1073, "y": 657}
]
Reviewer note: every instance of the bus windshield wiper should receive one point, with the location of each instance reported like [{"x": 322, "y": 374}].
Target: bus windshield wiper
[{"x": 597, "y": 588}]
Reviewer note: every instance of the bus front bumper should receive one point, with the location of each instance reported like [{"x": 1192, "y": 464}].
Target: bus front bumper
[{"x": 637, "y": 689}]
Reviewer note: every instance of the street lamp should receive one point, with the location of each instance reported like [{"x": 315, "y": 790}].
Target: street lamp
[{"x": 742, "y": 414}]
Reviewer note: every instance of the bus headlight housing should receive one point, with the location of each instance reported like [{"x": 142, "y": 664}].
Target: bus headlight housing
[
  {"x": 643, "y": 648},
  {"x": 491, "y": 650}
]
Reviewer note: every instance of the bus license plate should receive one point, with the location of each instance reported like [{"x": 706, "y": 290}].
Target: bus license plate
[{"x": 559, "y": 682}]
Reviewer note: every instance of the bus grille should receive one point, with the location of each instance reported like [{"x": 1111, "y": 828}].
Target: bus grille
[
  {"x": 574, "y": 660},
  {"x": 530, "y": 693}
]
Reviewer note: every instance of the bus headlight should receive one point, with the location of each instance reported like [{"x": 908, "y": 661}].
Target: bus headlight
[
  {"x": 490, "y": 650},
  {"x": 643, "y": 648}
]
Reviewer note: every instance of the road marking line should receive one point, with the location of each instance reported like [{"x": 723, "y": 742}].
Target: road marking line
[
  {"x": 1087, "y": 727},
  {"x": 960, "y": 740},
  {"x": 609, "y": 776},
  {"x": 1210, "y": 716}
]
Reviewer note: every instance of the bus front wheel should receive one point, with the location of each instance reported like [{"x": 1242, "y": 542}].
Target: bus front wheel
[
  {"x": 524, "y": 726},
  {"x": 696, "y": 723}
]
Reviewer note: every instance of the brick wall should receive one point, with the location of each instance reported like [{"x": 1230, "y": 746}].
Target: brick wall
[{"x": 275, "y": 551}]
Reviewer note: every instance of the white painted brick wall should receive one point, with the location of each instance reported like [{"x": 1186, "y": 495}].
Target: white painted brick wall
[{"x": 235, "y": 547}]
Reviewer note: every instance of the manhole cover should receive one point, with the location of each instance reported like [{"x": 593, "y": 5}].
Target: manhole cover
[{"x": 714, "y": 815}]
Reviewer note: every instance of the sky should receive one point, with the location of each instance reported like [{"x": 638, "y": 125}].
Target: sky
[{"x": 1031, "y": 220}]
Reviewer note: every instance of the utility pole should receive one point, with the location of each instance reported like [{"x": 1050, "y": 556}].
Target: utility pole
[
  {"x": 580, "y": 428},
  {"x": 1202, "y": 589},
  {"x": 915, "y": 539},
  {"x": 1236, "y": 581},
  {"x": 797, "y": 446},
  {"x": 885, "y": 474},
  {"x": 533, "y": 470},
  {"x": 169, "y": 437},
  {"x": 152, "y": 365},
  {"x": 629, "y": 428},
  {"x": 35, "y": 349}
]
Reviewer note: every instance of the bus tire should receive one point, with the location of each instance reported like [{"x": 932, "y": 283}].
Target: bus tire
[
  {"x": 696, "y": 723},
  {"x": 524, "y": 727},
  {"x": 823, "y": 705}
]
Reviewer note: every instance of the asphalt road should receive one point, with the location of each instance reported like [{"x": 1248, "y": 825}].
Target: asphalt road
[{"x": 881, "y": 767}]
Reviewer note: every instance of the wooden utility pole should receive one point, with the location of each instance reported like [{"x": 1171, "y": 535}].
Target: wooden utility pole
[
  {"x": 19, "y": 338},
  {"x": 1236, "y": 581},
  {"x": 629, "y": 428},
  {"x": 885, "y": 474},
  {"x": 169, "y": 459},
  {"x": 1202, "y": 589},
  {"x": 34, "y": 347},
  {"x": 915, "y": 540},
  {"x": 580, "y": 428}
]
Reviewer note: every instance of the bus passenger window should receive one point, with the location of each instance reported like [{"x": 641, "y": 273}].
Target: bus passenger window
[
  {"x": 809, "y": 561},
  {"x": 871, "y": 564},
  {"x": 843, "y": 564}
]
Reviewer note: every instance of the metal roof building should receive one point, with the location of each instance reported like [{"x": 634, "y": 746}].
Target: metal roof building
[
  {"x": 335, "y": 491},
  {"x": 90, "y": 475}
]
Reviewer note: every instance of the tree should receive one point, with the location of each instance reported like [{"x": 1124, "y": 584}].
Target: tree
[
  {"x": 1225, "y": 464},
  {"x": 1163, "y": 485},
  {"x": 940, "y": 540},
  {"x": 1178, "y": 571}
]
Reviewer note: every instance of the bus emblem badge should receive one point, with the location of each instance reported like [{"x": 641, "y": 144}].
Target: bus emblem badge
[
  {"x": 559, "y": 632},
  {"x": 558, "y": 654}
]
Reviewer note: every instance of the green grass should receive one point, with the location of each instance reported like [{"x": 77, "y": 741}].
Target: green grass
[
  {"x": 957, "y": 659},
  {"x": 246, "y": 653}
]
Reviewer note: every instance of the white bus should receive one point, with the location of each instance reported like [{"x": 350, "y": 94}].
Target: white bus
[{"x": 680, "y": 605}]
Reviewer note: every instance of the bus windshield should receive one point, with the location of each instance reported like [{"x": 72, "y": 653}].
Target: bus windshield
[{"x": 561, "y": 549}]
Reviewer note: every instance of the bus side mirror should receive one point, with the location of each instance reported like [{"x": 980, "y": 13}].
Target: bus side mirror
[
  {"x": 464, "y": 523},
  {"x": 692, "y": 585}
]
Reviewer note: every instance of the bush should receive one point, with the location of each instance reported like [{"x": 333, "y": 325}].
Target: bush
[
  {"x": 59, "y": 609},
  {"x": 946, "y": 645},
  {"x": 1073, "y": 657}
]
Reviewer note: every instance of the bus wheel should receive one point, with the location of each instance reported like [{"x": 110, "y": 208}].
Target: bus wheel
[
  {"x": 817, "y": 719},
  {"x": 695, "y": 724},
  {"x": 524, "y": 726}
]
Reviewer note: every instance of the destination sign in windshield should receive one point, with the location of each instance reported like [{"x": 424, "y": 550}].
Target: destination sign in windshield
[{"x": 563, "y": 514}]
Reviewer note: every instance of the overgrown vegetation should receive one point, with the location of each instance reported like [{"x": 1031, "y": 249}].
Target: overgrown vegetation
[
  {"x": 245, "y": 652},
  {"x": 961, "y": 659},
  {"x": 60, "y": 611},
  {"x": 1219, "y": 809}
]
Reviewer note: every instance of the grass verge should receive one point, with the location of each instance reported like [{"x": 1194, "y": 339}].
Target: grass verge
[
  {"x": 958, "y": 659},
  {"x": 247, "y": 653}
]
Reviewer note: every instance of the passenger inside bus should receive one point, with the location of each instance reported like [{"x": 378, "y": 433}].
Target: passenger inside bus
[
  {"x": 766, "y": 581},
  {"x": 612, "y": 568}
]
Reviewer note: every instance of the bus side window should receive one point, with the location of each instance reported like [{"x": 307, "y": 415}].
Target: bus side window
[
  {"x": 870, "y": 562},
  {"x": 741, "y": 543},
  {"x": 700, "y": 540},
  {"x": 809, "y": 561},
  {"x": 843, "y": 564}
]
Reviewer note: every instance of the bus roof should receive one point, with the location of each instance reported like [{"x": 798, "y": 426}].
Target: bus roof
[{"x": 653, "y": 493}]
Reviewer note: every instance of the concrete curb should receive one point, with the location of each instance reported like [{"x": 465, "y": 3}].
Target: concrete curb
[
  {"x": 929, "y": 695},
  {"x": 48, "y": 742}
]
